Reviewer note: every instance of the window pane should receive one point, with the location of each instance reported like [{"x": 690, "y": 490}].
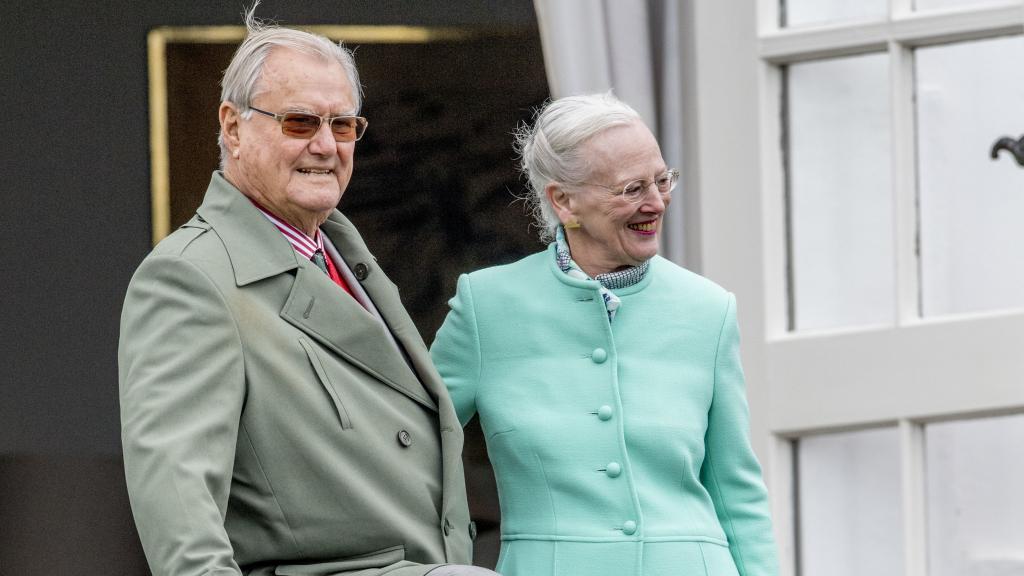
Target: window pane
[
  {"x": 931, "y": 4},
  {"x": 971, "y": 208},
  {"x": 801, "y": 12},
  {"x": 975, "y": 501},
  {"x": 840, "y": 201},
  {"x": 849, "y": 499}
]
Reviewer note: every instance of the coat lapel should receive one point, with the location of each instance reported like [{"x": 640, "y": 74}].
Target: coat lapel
[
  {"x": 321, "y": 309},
  {"x": 314, "y": 304},
  {"x": 385, "y": 296}
]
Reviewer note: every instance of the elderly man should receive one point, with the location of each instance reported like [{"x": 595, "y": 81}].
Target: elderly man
[{"x": 280, "y": 413}]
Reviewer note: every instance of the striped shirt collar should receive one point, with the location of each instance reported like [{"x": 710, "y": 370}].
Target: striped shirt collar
[{"x": 299, "y": 240}]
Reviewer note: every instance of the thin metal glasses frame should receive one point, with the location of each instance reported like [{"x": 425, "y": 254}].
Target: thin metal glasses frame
[
  {"x": 633, "y": 194},
  {"x": 359, "y": 129}
]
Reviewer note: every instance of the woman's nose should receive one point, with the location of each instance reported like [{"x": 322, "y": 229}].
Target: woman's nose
[{"x": 655, "y": 201}]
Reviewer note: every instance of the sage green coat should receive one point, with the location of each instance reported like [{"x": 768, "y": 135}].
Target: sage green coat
[
  {"x": 619, "y": 448},
  {"x": 269, "y": 424}
]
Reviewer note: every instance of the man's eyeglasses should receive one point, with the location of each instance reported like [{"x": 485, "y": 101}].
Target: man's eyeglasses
[
  {"x": 635, "y": 190},
  {"x": 305, "y": 126}
]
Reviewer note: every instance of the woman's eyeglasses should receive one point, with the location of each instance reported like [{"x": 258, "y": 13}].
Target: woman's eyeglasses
[
  {"x": 305, "y": 126},
  {"x": 635, "y": 190}
]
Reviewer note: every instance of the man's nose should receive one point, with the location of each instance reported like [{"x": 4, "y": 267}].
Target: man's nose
[{"x": 323, "y": 141}]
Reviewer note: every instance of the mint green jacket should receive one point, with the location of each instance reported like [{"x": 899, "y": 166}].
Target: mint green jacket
[
  {"x": 619, "y": 448},
  {"x": 269, "y": 423}
]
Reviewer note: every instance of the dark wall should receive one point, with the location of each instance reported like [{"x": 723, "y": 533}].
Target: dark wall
[{"x": 74, "y": 178}]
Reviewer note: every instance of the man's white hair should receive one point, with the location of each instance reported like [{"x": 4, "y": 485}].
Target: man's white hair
[{"x": 241, "y": 82}]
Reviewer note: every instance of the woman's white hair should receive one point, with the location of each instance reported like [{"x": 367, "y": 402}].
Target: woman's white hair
[
  {"x": 551, "y": 150},
  {"x": 241, "y": 82}
]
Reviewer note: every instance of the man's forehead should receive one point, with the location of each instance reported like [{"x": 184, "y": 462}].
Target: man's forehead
[
  {"x": 284, "y": 64},
  {"x": 304, "y": 82}
]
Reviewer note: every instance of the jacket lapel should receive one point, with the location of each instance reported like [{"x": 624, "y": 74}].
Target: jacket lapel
[
  {"x": 321, "y": 309},
  {"x": 314, "y": 304},
  {"x": 385, "y": 296}
]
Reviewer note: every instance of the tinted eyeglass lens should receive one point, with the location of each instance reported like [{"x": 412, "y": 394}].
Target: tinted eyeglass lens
[
  {"x": 300, "y": 125},
  {"x": 345, "y": 129}
]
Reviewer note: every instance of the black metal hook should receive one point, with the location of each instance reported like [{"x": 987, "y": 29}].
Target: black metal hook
[{"x": 1015, "y": 147}]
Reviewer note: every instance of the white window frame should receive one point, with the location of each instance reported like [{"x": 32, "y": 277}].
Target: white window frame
[{"x": 903, "y": 374}]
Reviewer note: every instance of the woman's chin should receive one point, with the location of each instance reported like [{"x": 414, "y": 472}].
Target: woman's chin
[{"x": 641, "y": 252}]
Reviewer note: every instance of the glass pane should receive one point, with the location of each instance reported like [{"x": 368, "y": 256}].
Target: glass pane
[
  {"x": 802, "y": 12},
  {"x": 840, "y": 201},
  {"x": 931, "y": 4},
  {"x": 850, "y": 505},
  {"x": 971, "y": 208},
  {"x": 975, "y": 477}
]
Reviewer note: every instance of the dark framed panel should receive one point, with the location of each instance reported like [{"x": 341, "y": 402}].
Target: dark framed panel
[{"x": 435, "y": 182}]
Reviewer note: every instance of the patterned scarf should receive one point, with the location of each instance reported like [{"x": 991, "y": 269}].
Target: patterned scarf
[{"x": 609, "y": 281}]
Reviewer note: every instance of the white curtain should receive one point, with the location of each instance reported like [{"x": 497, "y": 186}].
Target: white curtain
[{"x": 631, "y": 47}]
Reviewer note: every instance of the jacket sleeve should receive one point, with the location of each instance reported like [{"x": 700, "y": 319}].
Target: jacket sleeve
[
  {"x": 181, "y": 391},
  {"x": 730, "y": 472},
  {"x": 456, "y": 351}
]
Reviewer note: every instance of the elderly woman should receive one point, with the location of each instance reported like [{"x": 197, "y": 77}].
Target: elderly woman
[{"x": 607, "y": 379}]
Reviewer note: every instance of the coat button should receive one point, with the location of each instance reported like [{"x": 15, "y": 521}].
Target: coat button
[
  {"x": 599, "y": 355},
  {"x": 472, "y": 530},
  {"x": 361, "y": 271},
  {"x": 604, "y": 413},
  {"x": 629, "y": 528},
  {"x": 613, "y": 469},
  {"x": 404, "y": 438},
  {"x": 447, "y": 528}
]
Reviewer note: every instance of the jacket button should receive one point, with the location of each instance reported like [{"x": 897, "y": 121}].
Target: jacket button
[
  {"x": 447, "y": 528},
  {"x": 361, "y": 271},
  {"x": 604, "y": 413},
  {"x": 599, "y": 355},
  {"x": 472, "y": 530},
  {"x": 629, "y": 528},
  {"x": 404, "y": 438},
  {"x": 613, "y": 469}
]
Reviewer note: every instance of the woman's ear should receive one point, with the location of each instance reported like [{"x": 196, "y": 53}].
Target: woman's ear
[
  {"x": 561, "y": 202},
  {"x": 229, "y": 120}
]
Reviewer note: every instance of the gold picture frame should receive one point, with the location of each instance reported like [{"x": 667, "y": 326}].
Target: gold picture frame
[{"x": 159, "y": 38}]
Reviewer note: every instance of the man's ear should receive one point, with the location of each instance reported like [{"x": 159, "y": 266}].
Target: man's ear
[
  {"x": 561, "y": 201},
  {"x": 229, "y": 120}
]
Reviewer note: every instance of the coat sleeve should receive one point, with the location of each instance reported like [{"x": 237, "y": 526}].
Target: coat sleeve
[
  {"x": 730, "y": 472},
  {"x": 181, "y": 392},
  {"x": 456, "y": 351}
]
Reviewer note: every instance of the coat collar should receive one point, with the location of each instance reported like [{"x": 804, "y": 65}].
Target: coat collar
[
  {"x": 315, "y": 305},
  {"x": 256, "y": 248}
]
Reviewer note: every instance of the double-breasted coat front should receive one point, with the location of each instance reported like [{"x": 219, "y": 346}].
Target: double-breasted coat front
[{"x": 270, "y": 424}]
